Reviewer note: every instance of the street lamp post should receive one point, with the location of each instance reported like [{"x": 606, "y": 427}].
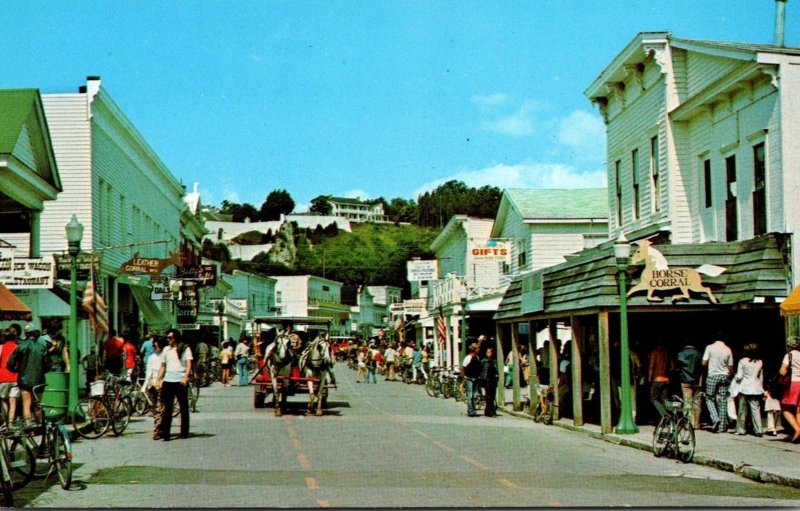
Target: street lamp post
[
  {"x": 626, "y": 425},
  {"x": 221, "y": 311},
  {"x": 175, "y": 287},
  {"x": 463, "y": 323},
  {"x": 74, "y": 231}
]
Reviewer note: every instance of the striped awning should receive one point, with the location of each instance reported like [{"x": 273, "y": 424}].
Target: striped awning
[{"x": 11, "y": 307}]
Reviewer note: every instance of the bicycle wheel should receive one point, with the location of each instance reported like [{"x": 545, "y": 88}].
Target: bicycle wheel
[
  {"x": 661, "y": 435},
  {"x": 6, "y": 484},
  {"x": 91, "y": 417},
  {"x": 684, "y": 441},
  {"x": 61, "y": 455},
  {"x": 140, "y": 403},
  {"x": 120, "y": 416},
  {"x": 538, "y": 412},
  {"x": 429, "y": 386},
  {"x": 21, "y": 461}
]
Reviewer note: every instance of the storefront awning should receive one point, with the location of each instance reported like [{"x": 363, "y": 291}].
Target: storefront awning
[
  {"x": 11, "y": 307},
  {"x": 152, "y": 314},
  {"x": 791, "y": 306}
]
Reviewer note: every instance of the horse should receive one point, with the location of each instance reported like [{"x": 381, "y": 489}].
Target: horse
[
  {"x": 316, "y": 361},
  {"x": 658, "y": 276},
  {"x": 277, "y": 358}
]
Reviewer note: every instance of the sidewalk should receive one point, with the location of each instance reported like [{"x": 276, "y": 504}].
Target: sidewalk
[{"x": 770, "y": 459}]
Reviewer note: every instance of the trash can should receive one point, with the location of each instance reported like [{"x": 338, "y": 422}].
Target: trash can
[{"x": 55, "y": 396}]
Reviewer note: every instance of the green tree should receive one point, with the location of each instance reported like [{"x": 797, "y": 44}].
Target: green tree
[
  {"x": 239, "y": 211},
  {"x": 277, "y": 203},
  {"x": 321, "y": 205}
]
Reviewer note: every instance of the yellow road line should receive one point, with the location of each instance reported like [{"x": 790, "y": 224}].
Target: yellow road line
[
  {"x": 303, "y": 460},
  {"x": 312, "y": 483},
  {"x": 507, "y": 483},
  {"x": 421, "y": 433},
  {"x": 324, "y": 503},
  {"x": 443, "y": 446},
  {"x": 473, "y": 462},
  {"x": 296, "y": 443}
]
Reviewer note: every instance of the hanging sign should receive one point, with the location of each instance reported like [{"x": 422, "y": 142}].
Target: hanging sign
[
  {"x": 27, "y": 272},
  {"x": 188, "y": 304},
  {"x": 149, "y": 265},
  {"x": 84, "y": 262},
  {"x": 658, "y": 276},
  {"x": 204, "y": 274}
]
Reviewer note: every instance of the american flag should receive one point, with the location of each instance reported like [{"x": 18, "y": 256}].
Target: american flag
[
  {"x": 95, "y": 306},
  {"x": 441, "y": 328}
]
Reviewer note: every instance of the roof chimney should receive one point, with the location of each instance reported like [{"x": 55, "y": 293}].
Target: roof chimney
[{"x": 780, "y": 22}]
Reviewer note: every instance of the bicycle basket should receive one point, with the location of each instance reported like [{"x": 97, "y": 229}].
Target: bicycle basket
[{"x": 98, "y": 388}]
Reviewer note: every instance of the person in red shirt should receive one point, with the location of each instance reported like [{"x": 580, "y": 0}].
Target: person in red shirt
[
  {"x": 129, "y": 356},
  {"x": 112, "y": 353},
  {"x": 8, "y": 378}
]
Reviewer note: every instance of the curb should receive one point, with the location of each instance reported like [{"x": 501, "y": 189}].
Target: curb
[{"x": 744, "y": 470}]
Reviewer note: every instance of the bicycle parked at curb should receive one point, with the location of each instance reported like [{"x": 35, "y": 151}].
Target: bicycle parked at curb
[
  {"x": 545, "y": 406},
  {"x": 107, "y": 407},
  {"x": 674, "y": 433},
  {"x": 47, "y": 440}
]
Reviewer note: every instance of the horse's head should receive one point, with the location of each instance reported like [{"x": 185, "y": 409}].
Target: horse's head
[
  {"x": 319, "y": 352},
  {"x": 281, "y": 352},
  {"x": 642, "y": 249}
]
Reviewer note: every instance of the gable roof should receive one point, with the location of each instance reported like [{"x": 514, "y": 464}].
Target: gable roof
[
  {"x": 552, "y": 204},
  {"x": 22, "y": 111}
]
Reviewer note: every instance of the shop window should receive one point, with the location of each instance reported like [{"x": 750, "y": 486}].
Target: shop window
[
  {"x": 655, "y": 174},
  {"x": 635, "y": 181}
]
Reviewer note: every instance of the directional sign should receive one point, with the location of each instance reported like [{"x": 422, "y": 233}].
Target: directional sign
[{"x": 422, "y": 270}]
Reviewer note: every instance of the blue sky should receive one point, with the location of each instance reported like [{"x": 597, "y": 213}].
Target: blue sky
[{"x": 359, "y": 98}]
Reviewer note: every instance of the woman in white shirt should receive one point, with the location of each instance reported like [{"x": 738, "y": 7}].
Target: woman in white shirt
[
  {"x": 173, "y": 379},
  {"x": 789, "y": 401},
  {"x": 750, "y": 377}
]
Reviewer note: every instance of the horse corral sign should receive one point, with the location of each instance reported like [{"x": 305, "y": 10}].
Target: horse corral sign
[{"x": 657, "y": 276}]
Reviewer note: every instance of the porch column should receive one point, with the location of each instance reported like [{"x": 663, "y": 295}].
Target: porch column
[
  {"x": 576, "y": 366},
  {"x": 36, "y": 234},
  {"x": 533, "y": 383},
  {"x": 500, "y": 399},
  {"x": 553, "y": 369},
  {"x": 515, "y": 367},
  {"x": 605, "y": 372}
]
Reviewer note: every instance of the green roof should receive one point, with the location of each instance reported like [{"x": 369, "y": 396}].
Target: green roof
[
  {"x": 15, "y": 107},
  {"x": 559, "y": 203}
]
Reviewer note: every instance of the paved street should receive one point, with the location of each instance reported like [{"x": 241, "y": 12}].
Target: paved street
[{"x": 380, "y": 445}]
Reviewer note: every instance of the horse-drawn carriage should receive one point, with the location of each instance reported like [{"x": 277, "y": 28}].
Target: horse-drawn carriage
[{"x": 292, "y": 361}]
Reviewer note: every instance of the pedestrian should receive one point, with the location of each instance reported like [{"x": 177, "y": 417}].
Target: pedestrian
[
  {"x": 29, "y": 361},
  {"x": 750, "y": 377},
  {"x": 148, "y": 347},
  {"x": 509, "y": 368},
  {"x": 240, "y": 354},
  {"x": 690, "y": 372},
  {"x": 90, "y": 363},
  {"x": 58, "y": 354},
  {"x": 128, "y": 357},
  {"x": 225, "y": 357},
  {"x": 718, "y": 359},
  {"x": 490, "y": 377},
  {"x": 390, "y": 356},
  {"x": 416, "y": 364},
  {"x": 150, "y": 385},
  {"x": 112, "y": 353},
  {"x": 173, "y": 382},
  {"x": 772, "y": 407},
  {"x": 202, "y": 352},
  {"x": 471, "y": 371},
  {"x": 791, "y": 396},
  {"x": 8, "y": 378},
  {"x": 658, "y": 374},
  {"x": 362, "y": 364},
  {"x": 371, "y": 360}
]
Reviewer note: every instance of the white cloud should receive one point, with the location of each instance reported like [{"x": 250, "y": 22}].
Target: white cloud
[
  {"x": 357, "y": 193},
  {"x": 523, "y": 175},
  {"x": 581, "y": 130},
  {"x": 491, "y": 100},
  {"x": 516, "y": 124}
]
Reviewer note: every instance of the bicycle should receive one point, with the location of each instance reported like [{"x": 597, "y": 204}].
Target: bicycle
[
  {"x": 106, "y": 408},
  {"x": 54, "y": 444},
  {"x": 433, "y": 386},
  {"x": 674, "y": 432},
  {"x": 545, "y": 406}
]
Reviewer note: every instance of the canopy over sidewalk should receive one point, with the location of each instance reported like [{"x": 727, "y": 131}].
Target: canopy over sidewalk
[{"x": 11, "y": 307}]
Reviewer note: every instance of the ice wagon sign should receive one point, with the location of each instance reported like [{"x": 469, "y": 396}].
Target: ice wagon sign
[{"x": 658, "y": 276}]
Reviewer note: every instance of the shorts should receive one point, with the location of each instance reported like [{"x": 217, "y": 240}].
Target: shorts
[
  {"x": 225, "y": 366},
  {"x": 6, "y": 388}
]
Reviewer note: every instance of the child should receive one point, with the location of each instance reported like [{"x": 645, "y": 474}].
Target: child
[{"x": 773, "y": 408}]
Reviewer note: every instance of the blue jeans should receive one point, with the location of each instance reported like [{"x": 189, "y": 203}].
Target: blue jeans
[
  {"x": 371, "y": 373},
  {"x": 241, "y": 366},
  {"x": 472, "y": 389}
]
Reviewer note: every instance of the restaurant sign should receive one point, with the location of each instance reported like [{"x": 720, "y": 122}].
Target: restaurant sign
[{"x": 26, "y": 272}]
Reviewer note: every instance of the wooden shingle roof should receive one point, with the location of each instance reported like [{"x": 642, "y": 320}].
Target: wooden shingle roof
[{"x": 587, "y": 282}]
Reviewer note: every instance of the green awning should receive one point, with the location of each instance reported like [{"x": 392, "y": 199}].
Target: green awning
[{"x": 152, "y": 314}]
